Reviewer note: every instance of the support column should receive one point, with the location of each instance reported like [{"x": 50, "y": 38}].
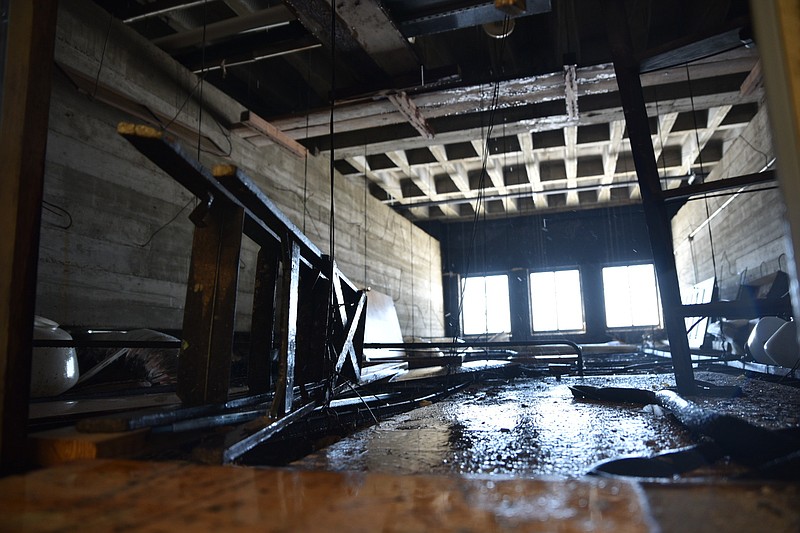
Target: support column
[
  {"x": 204, "y": 364},
  {"x": 263, "y": 319},
  {"x": 594, "y": 301},
  {"x": 777, "y": 28},
  {"x": 23, "y": 130},
  {"x": 655, "y": 210},
  {"x": 290, "y": 295},
  {"x": 519, "y": 304}
]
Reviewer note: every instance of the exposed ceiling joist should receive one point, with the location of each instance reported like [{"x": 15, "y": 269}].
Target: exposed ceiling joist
[{"x": 259, "y": 20}]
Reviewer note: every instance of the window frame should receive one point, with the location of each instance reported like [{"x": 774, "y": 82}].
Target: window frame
[
  {"x": 462, "y": 279},
  {"x": 659, "y": 306},
  {"x": 531, "y": 327}
]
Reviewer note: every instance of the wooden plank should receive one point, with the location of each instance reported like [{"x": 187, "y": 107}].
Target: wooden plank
[
  {"x": 599, "y": 79},
  {"x": 777, "y": 24},
  {"x": 258, "y": 20},
  {"x": 28, "y": 53},
  {"x": 120, "y": 495},
  {"x": 235, "y": 443},
  {"x": 263, "y": 320},
  {"x": 290, "y": 284},
  {"x": 258, "y": 124},
  {"x": 209, "y": 314},
  {"x": 62, "y": 445}
]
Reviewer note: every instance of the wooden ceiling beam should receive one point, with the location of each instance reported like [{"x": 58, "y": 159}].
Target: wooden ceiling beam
[
  {"x": 266, "y": 18},
  {"x": 375, "y": 112},
  {"x": 553, "y": 122}
]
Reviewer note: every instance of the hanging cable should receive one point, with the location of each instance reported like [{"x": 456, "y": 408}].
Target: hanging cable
[
  {"x": 330, "y": 350},
  {"x": 702, "y": 173},
  {"x": 102, "y": 56},
  {"x": 479, "y": 203},
  {"x": 305, "y": 156},
  {"x": 59, "y": 212},
  {"x": 203, "y": 71},
  {"x": 366, "y": 188}
]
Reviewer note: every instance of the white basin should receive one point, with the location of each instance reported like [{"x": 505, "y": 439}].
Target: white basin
[{"x": 782, "y": 347}]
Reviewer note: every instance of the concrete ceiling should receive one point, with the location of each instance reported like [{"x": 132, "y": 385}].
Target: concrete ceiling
[{"x": 445, "y": 120}]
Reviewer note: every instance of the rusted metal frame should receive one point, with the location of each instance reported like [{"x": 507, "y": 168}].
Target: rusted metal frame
[
  {"x": 290, "y": 293},
  {"x": 656, "y": 214},
  {"x": 263, "y": 319},
  {"x": 209, "y": 315}
]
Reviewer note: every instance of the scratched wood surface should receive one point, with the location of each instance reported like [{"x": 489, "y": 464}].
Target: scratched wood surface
[{"x": 104, "y": 495}]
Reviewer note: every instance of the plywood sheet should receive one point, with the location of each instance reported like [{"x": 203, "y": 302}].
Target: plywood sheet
[
  {"x": 382, "y": 325},
  {"x": 106, "y": 495}
]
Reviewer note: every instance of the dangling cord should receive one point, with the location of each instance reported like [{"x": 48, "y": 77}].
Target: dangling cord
[
  {"x": 702, "y": 172},
  {"x": 331, "y": 168},
  {"x": 413, "y": 299},
  {"x": 102, "y": 57},
  {"x": 332, "y": 306},
  {"x": 660, "y": 138},
  {"x": 202, "y": 77},
  {"x": 305, "y": 158},
  {"x": 366, "y": 188},
  {"x": 479, "y": 203}
]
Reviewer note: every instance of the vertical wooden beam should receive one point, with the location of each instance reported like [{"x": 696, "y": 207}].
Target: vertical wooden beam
[
  {"x": 290, "y": 293},
  {"x": 204, "y": 365},
  {"x": 655, "y": 210},
  {"x": 519, "y": 303},
  {"x": 451, "y": 293},
  {"x": 23, "y": 130},
  {"x": 777, "y": 27},
  {"x": 263, "y": 319}
]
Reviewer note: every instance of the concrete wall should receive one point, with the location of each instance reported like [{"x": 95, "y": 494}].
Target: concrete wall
[
  {"x": 748, "y": 235},
  {"x": 115, "y": 235}
]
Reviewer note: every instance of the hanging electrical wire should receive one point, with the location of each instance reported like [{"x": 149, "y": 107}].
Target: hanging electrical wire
[
  {"x": 702, "y": 173},
  {"x": 480, "y": 199}
]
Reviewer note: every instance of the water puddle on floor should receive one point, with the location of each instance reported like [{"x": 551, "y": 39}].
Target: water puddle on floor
[{"x": 526, "y": 428}]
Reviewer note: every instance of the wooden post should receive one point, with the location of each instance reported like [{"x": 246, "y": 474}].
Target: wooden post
[
  {"x": 290, "y": 292},
  {"x": 263, "y": 319},
  {"x": 23, "y": 130},
  {"x": 655, "y": 210},
  {"x": 519, "y": 303},
  {"x": 777, "y": 28},
  {"x": 204, "y": 364}
]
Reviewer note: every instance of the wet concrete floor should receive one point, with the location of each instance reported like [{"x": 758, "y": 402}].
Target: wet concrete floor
[{"x": 533, "y": 427}]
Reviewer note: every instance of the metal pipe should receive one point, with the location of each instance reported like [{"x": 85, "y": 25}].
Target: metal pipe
[
  {"x": 481, "y": 344},
  {"x": 163, "y": 11}
]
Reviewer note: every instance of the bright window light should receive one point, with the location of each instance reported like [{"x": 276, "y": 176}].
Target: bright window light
[
  {"x": 556, "y": 302},
  {"x": 486, "y": 308},
  {"x": 631, "y": 296}
]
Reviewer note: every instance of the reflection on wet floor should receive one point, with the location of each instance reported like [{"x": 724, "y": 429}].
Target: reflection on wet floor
[{"x": 529, "y": 427}]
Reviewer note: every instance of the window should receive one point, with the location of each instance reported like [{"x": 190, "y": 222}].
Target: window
[
  {"x": 556, "y": 302},
  {"x": 486, "y": 308},
  {"x": 631, "y": 296}
]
